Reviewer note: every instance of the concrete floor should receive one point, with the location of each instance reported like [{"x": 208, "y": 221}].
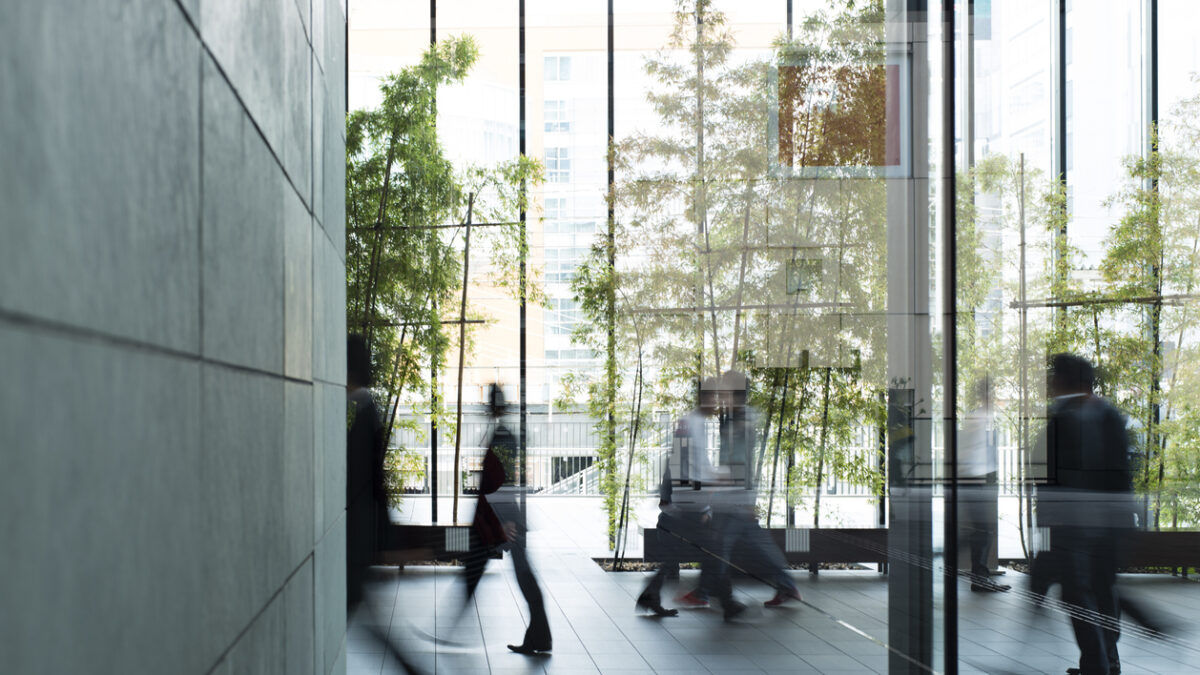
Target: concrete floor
[{"x": 841, "y": 630}]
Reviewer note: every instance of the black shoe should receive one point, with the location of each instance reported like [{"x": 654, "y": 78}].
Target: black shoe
[
  {"x": 990, "y": 587},
  {"x": 530, "y": 650},
  {"x": 1076, "y": 671},
  {"x": 733, "y": 609},
  {"x": 655, "y": 605}
]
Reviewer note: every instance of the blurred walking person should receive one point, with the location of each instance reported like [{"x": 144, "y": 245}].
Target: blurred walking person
[
  {"x": 686, "y": 520},
  {"x": 739, "y": 535},
  {"x": 978, "y": 467},
  {"x": 1088, "y": 505},
  {"x": 366, "y": 496},
  {"x": 500, "y": 524}
]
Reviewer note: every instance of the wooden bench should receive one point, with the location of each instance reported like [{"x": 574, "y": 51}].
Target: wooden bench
[
  {"x": 419, "y": 543},
  {"x": 1161, "y": 549}
]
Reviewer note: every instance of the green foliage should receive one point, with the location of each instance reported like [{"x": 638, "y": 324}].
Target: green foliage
[
  {"x": 399, "y": 185},
  {"x": 700, "y": 217},
  {"x": 403, "y": 267}
]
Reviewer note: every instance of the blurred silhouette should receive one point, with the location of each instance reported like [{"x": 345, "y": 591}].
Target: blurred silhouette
[
  {"x": 687, "y": 520},
  {"x": 716, "y": 521},
  {"x": 366, "y": 498},
  {"x": 671, "y": 527},
  {"x": 1088, "y": 506},
  {"x": 739, "y": 534},
  {"x": 978, "y": 489},
  {"x": 683, "y": 524},
  {"x": 366, "y": 503},
  {"x": 500, "y": 524}
]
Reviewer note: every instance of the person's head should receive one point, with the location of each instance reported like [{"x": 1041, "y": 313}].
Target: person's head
[
  {"x": 496, "y": 404},
  {"x": 1069, "y": 374},
  {"x": 733, "y": 388},
  {"x": 358, "y": 362},
  {"x": 981, "y": 392},
  {"x": 708, "y": 396}
]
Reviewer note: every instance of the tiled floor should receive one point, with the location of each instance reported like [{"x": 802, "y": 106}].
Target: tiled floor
[{"x": 597, "y": 631}]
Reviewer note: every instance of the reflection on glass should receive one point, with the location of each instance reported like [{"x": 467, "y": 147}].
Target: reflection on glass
[{"x": 735, "y": 353}]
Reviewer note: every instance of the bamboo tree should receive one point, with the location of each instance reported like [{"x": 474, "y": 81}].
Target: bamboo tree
[
  {"x": 399, "y": 182},
  {"x": 462, "y": 348},
  {"x": 402, "y": 195}
]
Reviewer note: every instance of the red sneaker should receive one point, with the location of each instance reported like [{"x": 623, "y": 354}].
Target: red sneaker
[
  {"x": 782, "y": 597},
  {"x": 692, "y": 599}
]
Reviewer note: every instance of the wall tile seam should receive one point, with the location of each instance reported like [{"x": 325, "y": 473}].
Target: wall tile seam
[
  {"x": 341, "y": 654},
  {"x": 305, "y": 25},
  {"x": 329, "y": 238},
  {"x": 188, "y": 18},
  {"x": 258, "y": 614},
  {"x": 328, "y": 383},
  {"x": 341, "y": 516},
  {"x": 254, "y": 122},
  {"x": 200, "y": 204},
  {"x": 317, "y": 61},
  {"x": 204, "y": 45},
  {"x": 33, "y": 323}
]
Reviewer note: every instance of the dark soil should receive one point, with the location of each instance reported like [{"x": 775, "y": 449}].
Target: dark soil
[
  {"x": 638, "y": 565},
  {"x": 1023, "y": 567}
]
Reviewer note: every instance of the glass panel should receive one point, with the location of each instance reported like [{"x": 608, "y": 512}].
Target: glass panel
[
  {"x": 385, "y": 36},
  {"x": 1106, "y": 64}
]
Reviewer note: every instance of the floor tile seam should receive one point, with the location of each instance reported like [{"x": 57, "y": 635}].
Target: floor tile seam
[{"x": 574, "y": 630}]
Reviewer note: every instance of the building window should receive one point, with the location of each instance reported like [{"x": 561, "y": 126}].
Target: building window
[
  {"x": 558, "y": 68},
  {"x": 558, "y": 165},
  {"x": 563, "y": 315},
  {"x": 568, "y": 227},
  {"x": 556, "y": 208},
  {"x": 571, "y": 355},
  {"x": 561, "y": 264},
  {"x": 556, "y": 116}
]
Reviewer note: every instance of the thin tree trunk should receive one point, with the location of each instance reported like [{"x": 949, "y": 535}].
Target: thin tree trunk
[
  {"x": 635, "y": 427},
  {"x": 793, "y": 424},
  {"x": 1175, "y": 364},
  {"x": 792, "y": 450},
  {"x": 377, "y": 246},
  {"x": 737, "y": 316},
  {"x": 393, "y": 391},
  {"x": 1024, "y": 510},
  {"x": 762, "y": 446},
  {"x": 821, "y": 453},
  {"x": 462, "y": 354},
  {"x": 1096, "y": 343},
  {"x": 701, "y": 184},
  {"x": 778, "y": 439}
]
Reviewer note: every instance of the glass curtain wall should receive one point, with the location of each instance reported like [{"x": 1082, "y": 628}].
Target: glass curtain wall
[
  {"x": 1074, "y": 235},
  {"x": 834, "y": 245}
]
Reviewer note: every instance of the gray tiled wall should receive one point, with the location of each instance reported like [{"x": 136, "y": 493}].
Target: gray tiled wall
[{"x": 172, "y": 336}]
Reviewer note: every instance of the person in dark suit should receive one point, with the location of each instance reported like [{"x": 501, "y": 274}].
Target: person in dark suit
[
  {"x": 366, "y": 503},
  {"x": 366, "y": 497},
  {"x": 1088, "y": 505}
]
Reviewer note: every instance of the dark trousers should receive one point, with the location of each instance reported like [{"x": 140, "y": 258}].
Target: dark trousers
[
  {"x": 365, "y": 518},
  {"x": 1089, "y": 578},
  {"x": 682, "y": 538},
  {"x": 475, "y": 561},
  {"x": 977, "y": 504},
  {"x": 741, "y": 538}
]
